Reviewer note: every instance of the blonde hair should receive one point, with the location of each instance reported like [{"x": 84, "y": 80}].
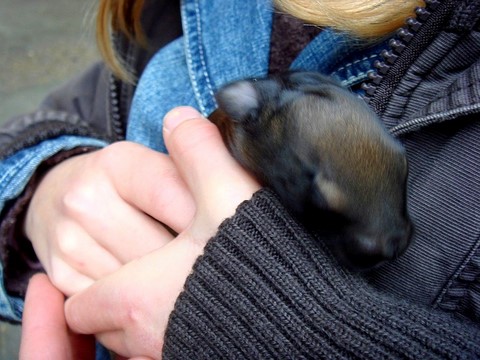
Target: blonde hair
[
  {"x": 365, "y": 19},
  {"x": 122, "y": 16}
]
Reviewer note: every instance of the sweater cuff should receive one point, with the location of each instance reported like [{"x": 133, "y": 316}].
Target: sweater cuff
[
  {"x": 266, "y": 288},
  {"x": 18, "y": 256}
]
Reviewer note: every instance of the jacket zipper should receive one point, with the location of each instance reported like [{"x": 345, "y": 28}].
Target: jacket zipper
[
  {"x": 396, "y": 47},
  {"x": 116, "y": 89},
  {"x": 115, "y": 112},
  {"x": 417, "y": 123},
  {"x": 391, "y": 57}
]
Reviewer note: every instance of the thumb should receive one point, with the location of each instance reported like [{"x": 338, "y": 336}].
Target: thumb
[
  {"x": 213, "y": 176},
  {"x": 194, "y": 141}
]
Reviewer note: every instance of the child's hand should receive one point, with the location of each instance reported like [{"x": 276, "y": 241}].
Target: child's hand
[
  {"x": 129, "y": 310},
  {"x": 95, "y": 212}
]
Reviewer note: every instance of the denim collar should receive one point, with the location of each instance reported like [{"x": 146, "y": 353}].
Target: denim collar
[
  {"x": 224, "y": 41},
  {"x": 213, "y": 28}
]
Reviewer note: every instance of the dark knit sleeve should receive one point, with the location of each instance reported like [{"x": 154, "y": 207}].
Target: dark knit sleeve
[{"x": 266, "y": 289}]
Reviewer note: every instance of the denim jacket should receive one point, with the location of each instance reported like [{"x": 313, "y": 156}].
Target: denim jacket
[
  {"x": 219, "y": 47},
  {"x": 228, "y": 40}
]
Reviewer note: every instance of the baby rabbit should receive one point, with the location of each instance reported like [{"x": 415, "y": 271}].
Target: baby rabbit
[{"x": 327, "y": 156}]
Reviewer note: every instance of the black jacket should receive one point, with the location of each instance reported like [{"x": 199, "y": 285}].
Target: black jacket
[{"x": 265, "y": 288}]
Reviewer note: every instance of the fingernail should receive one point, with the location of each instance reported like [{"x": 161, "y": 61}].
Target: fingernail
[{"x": 178, "y": 115}]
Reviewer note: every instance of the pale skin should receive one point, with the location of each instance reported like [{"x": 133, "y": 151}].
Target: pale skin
[{"x": 123, "y": 277}]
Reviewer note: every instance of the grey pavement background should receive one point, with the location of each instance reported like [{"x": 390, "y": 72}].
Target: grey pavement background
[{"x": 42, "y": 44}]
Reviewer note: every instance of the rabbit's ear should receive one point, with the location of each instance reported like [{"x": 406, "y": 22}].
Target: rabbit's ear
[
  {"x": 239, "y": 100},
  {"x": 327, "y": 194}
]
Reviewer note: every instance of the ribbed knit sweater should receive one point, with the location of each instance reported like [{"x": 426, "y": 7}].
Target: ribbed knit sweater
[{"x": 236, "y": 305}]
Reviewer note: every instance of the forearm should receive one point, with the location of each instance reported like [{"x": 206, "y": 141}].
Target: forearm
[{"x": 265, "y": 288}]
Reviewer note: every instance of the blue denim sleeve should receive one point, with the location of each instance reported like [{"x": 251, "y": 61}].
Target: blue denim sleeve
[{"x": 15, "y": 172}]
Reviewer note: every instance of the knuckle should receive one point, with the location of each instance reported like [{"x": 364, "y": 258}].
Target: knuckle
[
  {"x": 117, "y": 151},
  {"x": 105, "y": 155},
  {"x": 68, "y": 245},
  {"x": 79, "y": 199},
  {"x": 57, "y": 280},
  {"x": 133, "y": 312},
  {"x": 59, "y": 275},
  {"x": 139, "y": 320}
]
